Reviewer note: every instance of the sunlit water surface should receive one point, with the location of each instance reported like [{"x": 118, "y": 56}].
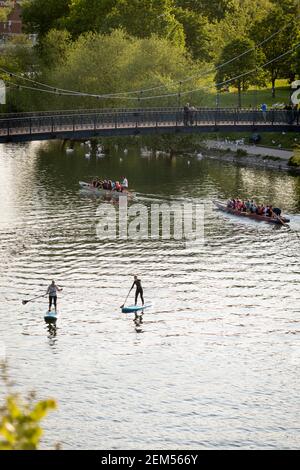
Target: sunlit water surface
[{"x": 215, "y": 363}]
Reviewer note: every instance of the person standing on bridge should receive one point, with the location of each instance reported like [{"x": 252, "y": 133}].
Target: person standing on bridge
[
  {"x": 264, "y": 109},
  {"x": 186, "y": 114}
]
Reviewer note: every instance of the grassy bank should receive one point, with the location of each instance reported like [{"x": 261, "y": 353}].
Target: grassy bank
[
  {"x": 269, "y": 139},
  {"x": 250, "y": 98}
]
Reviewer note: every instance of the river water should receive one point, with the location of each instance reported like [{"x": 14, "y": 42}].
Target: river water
[{"x": 215, "y": 363}]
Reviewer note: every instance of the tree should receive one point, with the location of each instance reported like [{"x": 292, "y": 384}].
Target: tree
[
  {"x": 245, "y": 63},
  {"x": 237, "y": 22},
  {"x": 213, "y": 10},
  {"x": 4, "y": 12},
  {"x": 114, "y": 63},
  {"x": 18, "y": 56},
  {"x": 283, "y": 13},
  {"x": 142, "y": 18},
  {"x": 53, "y": 47},
  {"x": 20, "y": 419},
  {"x": 39, "y": 16},
  {"x": 197, "y": 38},
  {"x": 88, "y": 15}
]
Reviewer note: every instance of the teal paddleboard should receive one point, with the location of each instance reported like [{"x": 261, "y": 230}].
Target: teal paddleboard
[
  {"x": 135, "y": 308},
  {"x": 50, "y": 316}
]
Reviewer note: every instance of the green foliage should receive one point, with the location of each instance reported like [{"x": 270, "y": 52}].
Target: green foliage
[
  {"x": 245, "y": 63},
  {"x": 197, "y": 37},
  {"x": 87, "y": 15},
  {"x": 142, "y": 18},
  {"x": 294, "y": 161},
  {"x": 212, "y": 9},
  {"x": 39, "y": 16},
  {"x": 98, "y": 63},
  {"x": 283, "y": 12},
  {"x": 237, "y": 23},
  {"x": 20, "y": 420},
  {"x": 4, "y": 12},
  {"x": 53, "y": 47},
  {"x": 18, "y": 55}
]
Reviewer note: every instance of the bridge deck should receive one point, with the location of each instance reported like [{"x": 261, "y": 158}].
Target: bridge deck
[{"x": 132, "y": 122}]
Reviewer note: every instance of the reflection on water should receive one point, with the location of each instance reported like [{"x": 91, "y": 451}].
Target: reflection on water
[{"x": 213, "y": 363}]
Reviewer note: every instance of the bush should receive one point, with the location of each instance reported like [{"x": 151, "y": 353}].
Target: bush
[
  {"x": 294, "y": 161},
  {"x": 20, "y": 419}
]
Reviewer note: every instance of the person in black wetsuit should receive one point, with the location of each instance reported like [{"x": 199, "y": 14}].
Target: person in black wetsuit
[{"x": 139, "y": 289}]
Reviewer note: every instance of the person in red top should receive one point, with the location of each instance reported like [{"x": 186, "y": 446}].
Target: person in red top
[{"x": 118, "y": 187}]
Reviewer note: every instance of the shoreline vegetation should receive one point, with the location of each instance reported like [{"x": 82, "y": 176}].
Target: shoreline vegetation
[
  {"x": 234, "y": 151},
  {"x": 216, "y": 53}
]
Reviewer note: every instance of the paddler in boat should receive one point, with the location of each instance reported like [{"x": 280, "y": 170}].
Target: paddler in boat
[
  {"x": 52, "y": 291},
  {"x": 124, "y": 182},
  {"x": 118, "y": 187},
  {"x": 98, "y": 183},
  {"x": 139, "y": 290}
]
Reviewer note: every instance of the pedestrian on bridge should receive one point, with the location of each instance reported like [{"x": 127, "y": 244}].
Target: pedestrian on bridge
[
  {"x": 186, "y": 114},
  {"x": 264, "y": 109}
]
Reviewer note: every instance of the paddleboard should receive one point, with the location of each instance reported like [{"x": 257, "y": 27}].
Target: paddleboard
[
  {"x": 50, "y": 316},
  {"x": 135, "y": 308}
]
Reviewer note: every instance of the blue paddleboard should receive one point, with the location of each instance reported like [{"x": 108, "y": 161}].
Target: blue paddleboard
[
  {"x": 135, "y": 308},
  {"x": 50, "y": 317}
]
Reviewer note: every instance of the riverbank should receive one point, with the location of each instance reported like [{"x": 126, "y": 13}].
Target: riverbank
[{"x": 249, "y": 155}]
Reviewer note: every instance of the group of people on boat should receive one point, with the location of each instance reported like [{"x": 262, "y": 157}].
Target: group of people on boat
[
  {"x": 251, "y": 207},
  {"x": 110, "y": 185}
]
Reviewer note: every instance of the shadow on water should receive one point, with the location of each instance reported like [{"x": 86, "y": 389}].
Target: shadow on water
[
  {"x": 138, "y": 321},
  {"x": 52, "y": 332}
]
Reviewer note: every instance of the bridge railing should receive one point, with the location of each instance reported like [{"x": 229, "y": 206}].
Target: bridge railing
[{"x": 146, "y": 118}]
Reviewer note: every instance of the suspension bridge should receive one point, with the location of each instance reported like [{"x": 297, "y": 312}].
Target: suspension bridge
[{"x": 83, "y": 124}]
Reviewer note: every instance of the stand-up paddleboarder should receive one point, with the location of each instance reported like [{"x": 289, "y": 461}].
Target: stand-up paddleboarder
[
  {"x": 139, "y": 290},
  {"x": 52, "y": 291}
]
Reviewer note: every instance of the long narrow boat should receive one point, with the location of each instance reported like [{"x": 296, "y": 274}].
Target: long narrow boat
[
  {"x": 261, "y": 218},
  {"x": 105, "y": 192}
]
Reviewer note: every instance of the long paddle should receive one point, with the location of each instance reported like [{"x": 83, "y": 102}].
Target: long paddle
[
  {"x": 125, "y": 299},
  {"x": 280, "y": 220},
  {"x": 24, "y": 302}
]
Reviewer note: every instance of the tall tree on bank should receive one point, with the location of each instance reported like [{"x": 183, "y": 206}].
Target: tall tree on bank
[
  {"x": 111, "y": 63},
  {"x": 283, "y": 13},
  {"x": 197, "y": 37},
  {"x": 236, "y": 69},
  {"x": 142, "y": 18},
  {"x": 88, "y": 15},
  {"x": 39, "y": 16},
  {"x": 213, "y": 10}
]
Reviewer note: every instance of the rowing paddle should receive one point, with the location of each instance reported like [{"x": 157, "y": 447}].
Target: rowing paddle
[
  {"x": 125, "y": 299},
  {"x": 24, "y": 302},
  {"x": 280, "y": 220}
]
